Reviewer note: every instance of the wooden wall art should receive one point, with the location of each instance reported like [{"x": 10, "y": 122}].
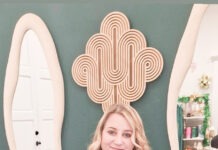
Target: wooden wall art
[{"x": 117, "y": 63}]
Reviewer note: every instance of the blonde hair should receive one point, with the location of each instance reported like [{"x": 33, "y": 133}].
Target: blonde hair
[{"x": 131, "y": 115}]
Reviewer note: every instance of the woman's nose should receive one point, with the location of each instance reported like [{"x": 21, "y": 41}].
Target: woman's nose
[{"x": 118, "y": 140}]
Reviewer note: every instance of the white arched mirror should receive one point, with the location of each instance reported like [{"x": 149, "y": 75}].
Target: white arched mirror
[
  {"x": 34, "y": 89},
  {"x": 192, "y": 95}
]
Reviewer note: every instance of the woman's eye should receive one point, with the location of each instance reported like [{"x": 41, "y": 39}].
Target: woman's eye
[
  {"x": 127, "y": 135},
  {"x": 111, "y": 132}
]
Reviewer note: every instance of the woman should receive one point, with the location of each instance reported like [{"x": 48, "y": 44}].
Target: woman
[{"x": 120, "y": 128}]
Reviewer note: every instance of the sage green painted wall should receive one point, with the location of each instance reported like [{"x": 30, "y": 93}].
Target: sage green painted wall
[{"x": 71, "y": 25}]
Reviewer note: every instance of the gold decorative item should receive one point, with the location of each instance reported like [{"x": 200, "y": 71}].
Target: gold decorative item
[
  {"x": 117, "y": 63},
  {"x": 204, "y": 82}
]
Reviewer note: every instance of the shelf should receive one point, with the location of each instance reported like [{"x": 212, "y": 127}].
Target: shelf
[
  {"x": 194, "y": 117},
  {"x": 193, "y": 139}
]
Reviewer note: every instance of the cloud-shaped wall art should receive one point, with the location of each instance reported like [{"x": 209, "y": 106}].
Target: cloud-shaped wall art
[{"x": 117, "y": 63}]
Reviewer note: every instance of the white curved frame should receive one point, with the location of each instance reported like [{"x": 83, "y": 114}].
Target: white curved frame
[
  {"x": 185, "y": 50},
  {"x": 33, "y": 22}
]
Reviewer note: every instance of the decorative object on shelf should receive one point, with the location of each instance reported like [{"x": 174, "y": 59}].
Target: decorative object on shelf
[
  {"x": 188, "y": 132},
  {"x": 199, "y": 146},
  {"x": 117, "y": 63},
  {"x": 210, "y": 133},
  {"x": 188, "y": 147},
  {"x": 200, "y": 99},
  {"x": 204, "y": 82}
]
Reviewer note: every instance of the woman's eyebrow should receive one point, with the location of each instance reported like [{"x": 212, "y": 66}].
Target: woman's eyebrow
[
  {"x": 111, "y": 128},
  {"x": 125, "y": 130},
  {"x": 128, "y": 130}
]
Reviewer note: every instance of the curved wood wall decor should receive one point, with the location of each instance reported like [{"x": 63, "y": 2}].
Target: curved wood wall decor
[{"x": 117, "y": 63}]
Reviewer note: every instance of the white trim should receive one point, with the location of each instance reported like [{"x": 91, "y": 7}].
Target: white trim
[
  {"x": 185, "y": 50},
  {"x": 33, "y": 22}
]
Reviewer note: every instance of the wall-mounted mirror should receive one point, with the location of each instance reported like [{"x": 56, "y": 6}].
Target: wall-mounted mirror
[
  {"x": 34, "y": 89},
  {"x": 192, "y": 96}
]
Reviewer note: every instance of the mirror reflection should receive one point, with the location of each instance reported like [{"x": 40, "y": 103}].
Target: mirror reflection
[
  {"x": 198, "y": 96},
  {"x": 33, "y": 100}
]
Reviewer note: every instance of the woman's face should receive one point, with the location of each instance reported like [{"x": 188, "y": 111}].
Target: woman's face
[{"x": 116, "y": 134}]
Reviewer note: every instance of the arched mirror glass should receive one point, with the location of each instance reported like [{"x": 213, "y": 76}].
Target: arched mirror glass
[
  {"x": 33, "y": 92},
  {"x": 194, "y": 84}
]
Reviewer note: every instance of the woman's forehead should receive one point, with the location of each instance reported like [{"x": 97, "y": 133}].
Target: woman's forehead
[{"x": 117, "y": 121}]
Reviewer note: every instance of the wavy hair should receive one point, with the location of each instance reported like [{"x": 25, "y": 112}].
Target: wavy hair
[{"x": 138, "y": 138}]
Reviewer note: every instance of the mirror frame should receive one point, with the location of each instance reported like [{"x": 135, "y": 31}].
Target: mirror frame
[
  {"x": 185, "y": 50},
  {"x": 27, "y": 22}
]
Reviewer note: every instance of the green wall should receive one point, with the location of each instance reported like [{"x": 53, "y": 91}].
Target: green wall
[{"x": 71, "y": 25}]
